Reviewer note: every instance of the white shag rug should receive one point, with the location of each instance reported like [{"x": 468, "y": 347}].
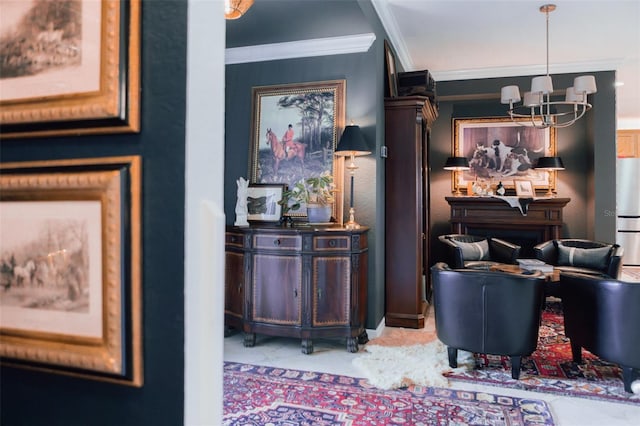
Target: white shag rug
[{"x": 390, "y": 367}]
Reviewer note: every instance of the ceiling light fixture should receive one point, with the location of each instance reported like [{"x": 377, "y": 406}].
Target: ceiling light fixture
[
  {"x": 233, "y": 9},
  {"x": 537, "y": 105}
]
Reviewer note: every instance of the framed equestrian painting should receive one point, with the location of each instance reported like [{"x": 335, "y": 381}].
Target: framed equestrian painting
[
  {"x": 263, "y": 202},
  {"x": 295, "y": 130},
  {"x": 501, "y": 150},
  {"x": 69, "y": 67},
  {"x": 70, "y": 267}
]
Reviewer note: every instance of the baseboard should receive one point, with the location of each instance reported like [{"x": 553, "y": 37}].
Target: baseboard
[{"x": 377, "y": 332}]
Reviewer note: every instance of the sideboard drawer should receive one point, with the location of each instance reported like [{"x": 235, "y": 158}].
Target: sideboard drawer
[
  {"x": 331, "y": 242},
  {"x": 277, "y": 242},
  {"x": 233, "y": 239}
]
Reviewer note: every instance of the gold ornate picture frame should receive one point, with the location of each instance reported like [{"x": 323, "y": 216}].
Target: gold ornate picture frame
[
  {"x": 501, "y": 150},
  {"x": 70, "y": 268},
  {"x": 295, "y": 130},
  {"x": 69, "y": 68}
]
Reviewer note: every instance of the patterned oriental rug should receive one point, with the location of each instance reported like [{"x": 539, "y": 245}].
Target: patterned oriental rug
[
  {"x": 255, "y": 395},
  {"x": 549, "y": 369}
]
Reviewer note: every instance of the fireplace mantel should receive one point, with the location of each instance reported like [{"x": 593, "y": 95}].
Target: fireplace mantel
[{"x": 492, "y": 216}]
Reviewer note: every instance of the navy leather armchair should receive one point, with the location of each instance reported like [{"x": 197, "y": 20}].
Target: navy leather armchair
[
  {"x": 487, "y": 312},
  {"x": 582, "y": 256},
  {"x": 473, "y": 251},
  {"x": 602, "y": 316}
]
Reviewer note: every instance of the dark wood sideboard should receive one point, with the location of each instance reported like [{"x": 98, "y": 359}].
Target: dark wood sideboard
[
  {"x": 494, "y": 217},
  {"x": 298, "y": 282}
]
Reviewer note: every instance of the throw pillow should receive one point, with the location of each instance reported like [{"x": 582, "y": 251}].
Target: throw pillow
[
  {"x": 594, "y": 258},
  {"x": 478, "y": 250}
]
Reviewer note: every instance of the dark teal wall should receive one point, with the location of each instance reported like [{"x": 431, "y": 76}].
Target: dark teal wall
[
  {"x": 587, "y": 149},
  {"x": 34, "y": 398},
  {"x": 363, "y": 73},
  {"x": 361, "y": 103}
]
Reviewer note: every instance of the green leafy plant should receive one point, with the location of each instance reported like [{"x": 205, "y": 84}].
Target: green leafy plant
[{"x": 312, "y": 190}]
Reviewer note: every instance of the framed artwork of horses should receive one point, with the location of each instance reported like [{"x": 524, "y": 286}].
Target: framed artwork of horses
[
  {"x": 69, "y": 67},
  {"x": 71, "y": 299},
  {"x": 501, "y": 150},
  {"x": 295, "y": 130}
]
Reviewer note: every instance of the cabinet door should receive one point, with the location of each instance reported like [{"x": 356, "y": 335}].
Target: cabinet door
[
  {"x": 628, "y": 143},
  {"x": 276, "y": 296},
  {"x": 331, "y": 290},
  {"x": 233, "y": 283}
]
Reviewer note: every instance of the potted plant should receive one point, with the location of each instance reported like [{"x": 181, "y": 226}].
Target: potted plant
[{"x": 316, "y": 193}]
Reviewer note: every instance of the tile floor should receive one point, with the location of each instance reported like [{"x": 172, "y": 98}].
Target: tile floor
[{"x": 331, "y": 356}]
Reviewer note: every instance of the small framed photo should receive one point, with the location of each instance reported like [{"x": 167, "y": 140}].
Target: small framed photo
[
  {"x": 262, "y": 202},
  {"x": 524, "y": 188}
]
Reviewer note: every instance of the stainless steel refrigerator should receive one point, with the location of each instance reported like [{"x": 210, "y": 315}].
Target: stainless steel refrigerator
[{"x": 628, "y": 209}]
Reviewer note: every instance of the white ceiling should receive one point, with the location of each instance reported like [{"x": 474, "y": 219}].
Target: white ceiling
[{"x": 465, "y": 39}]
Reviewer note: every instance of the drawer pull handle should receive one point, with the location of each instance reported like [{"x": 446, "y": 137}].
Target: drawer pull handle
[
  {"x": 332, "y": 243},
  {"x": 295, "y": 292},
  {"x": 319, "y": 294},
  {"x": 276, "y": 242}
]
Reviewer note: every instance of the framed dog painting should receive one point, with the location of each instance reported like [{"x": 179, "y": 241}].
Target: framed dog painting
[{"x": 501, "y": 150}]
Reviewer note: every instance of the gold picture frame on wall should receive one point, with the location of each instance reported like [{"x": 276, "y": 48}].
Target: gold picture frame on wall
[
  {"x": 501, "y": 150},
  {"x": 70, "y": 268},
  {"x": 295, "y": 129},
  {"x": 69, "y": 68}
]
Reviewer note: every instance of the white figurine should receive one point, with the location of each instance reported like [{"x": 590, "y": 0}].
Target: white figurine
[{"x": 241, "y": 203}]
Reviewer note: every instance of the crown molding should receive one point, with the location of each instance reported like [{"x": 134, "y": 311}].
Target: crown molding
[
  {"x": 341, "y": 45},
  {"x": 514, "y": 71}
]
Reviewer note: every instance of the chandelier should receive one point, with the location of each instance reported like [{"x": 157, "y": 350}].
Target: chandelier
[
  {"x": 538, "y": 106},
  {"x": 233, "y": 9}
]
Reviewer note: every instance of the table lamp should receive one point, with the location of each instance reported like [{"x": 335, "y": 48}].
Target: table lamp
[
  {"x": 352, "y": 144},
  {"x": 549, "y": 164},
  {"x": 456, "y": 164}
]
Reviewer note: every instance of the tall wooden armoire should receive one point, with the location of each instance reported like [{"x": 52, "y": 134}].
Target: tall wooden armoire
[{"x": 407, "y": 125}]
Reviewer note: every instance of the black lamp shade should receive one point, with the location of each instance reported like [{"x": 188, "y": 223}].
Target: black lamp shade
[
  {"x": 550, "y": 163},
  {"x": 352, "y": 142},
  {"x": 456, "y": 163}
]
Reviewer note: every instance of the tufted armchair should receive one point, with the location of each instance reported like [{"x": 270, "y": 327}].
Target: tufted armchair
[
  {"x": 582, "y": 256},
  {"x": 487, "y": 312},
  {"x": 602, "y": 316},
  {"x": 473, "y": 251}
]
